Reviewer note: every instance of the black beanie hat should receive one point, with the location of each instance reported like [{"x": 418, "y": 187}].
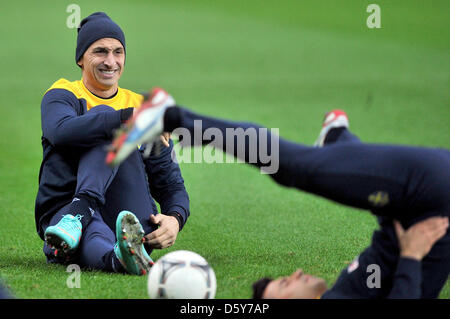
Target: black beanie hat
[{"x": 94, "y": 27}]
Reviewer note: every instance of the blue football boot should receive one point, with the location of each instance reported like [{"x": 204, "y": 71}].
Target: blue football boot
[
  {"x": 129, "y": 247},
  {"x": 65, "y": 236}
]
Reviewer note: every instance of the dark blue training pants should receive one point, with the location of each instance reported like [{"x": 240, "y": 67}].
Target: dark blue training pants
[
  {"x": 117, "y": 189},
  {"x": 394, "y": 182}
]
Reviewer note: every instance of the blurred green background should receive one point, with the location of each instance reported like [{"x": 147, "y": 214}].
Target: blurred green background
[{"x": 282, "y": 64}]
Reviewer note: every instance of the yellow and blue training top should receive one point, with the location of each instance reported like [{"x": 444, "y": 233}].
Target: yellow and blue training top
[
  {"x": 74, "y": 120},
  {"x": 122, "y": 99}
]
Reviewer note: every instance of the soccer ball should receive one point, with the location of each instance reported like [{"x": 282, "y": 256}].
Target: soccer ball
[{"x": 181, "y": 274}]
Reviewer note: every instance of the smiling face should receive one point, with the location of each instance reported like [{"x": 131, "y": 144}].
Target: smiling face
[
  {"x": 296, "y": 286},
  {"x": 102, "y": 65}
]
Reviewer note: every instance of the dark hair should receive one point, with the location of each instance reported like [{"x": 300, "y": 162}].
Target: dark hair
[{"x": 259, "y": 287}]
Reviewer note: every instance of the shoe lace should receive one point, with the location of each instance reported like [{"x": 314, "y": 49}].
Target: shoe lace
[{"x": 68, "y": 223}]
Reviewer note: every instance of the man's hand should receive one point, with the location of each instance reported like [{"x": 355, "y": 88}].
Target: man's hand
[
  {"x": 416, "y": 242},
  {"x": 166, "y": 234},
  {"x": 165, "y": 137}
]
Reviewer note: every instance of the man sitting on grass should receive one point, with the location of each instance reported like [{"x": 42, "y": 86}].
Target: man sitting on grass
[{"x": 80, "y": 198}]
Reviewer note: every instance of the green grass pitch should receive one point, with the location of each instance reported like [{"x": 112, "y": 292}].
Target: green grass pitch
[{"x": 282, "y": 64}]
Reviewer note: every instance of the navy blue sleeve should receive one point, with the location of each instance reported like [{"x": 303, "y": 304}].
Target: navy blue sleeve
[
  {"x": 407, "y": 279},
  {"x": 166, "y": 183},
  {"x": 64, "y": 124}
]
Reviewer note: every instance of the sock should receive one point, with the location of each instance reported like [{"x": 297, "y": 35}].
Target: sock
[
  {"x": 333, "y": 135},
  {"x": 172, "y": 118},
  {"x": 83, "y": 205},
  {"x": 112, "y": 263}
]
